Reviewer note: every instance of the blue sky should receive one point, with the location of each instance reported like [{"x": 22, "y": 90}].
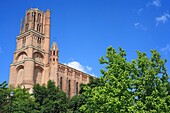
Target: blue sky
[{"x": 83, "y": 29}]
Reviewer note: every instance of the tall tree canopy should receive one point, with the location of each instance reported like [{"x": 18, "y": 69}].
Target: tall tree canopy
[
  {"x": 21, "y": 102},
  {"x": 50, "y": 98},
  {"x": 115, "y": 95},
  {"x": 150, "y": 80},
  {"x": 136, "y": 86},
  {"x": 77, "y": 101},
  {"x": 3, "y": 95}
]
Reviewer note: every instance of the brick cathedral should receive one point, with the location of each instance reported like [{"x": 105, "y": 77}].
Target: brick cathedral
[{"x": 35, "y": 62}]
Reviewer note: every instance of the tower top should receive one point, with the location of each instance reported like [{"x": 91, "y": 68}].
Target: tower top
[
  {"x": 54, "y": 46},
  {"x": 34, "y": 9},
  {"x": 36, "y": 20}
]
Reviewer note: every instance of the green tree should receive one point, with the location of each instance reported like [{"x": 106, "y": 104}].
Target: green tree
[
  {"x": 51, "y": 99},
  {"x": 78, "y": 100},
  {"x": 169, "y": 88},
  {"x": 150, "y": 83},
  {"x": 39, "y": 93},
  {"x": 136, "y": 86},
  {"x": 21, "y": 102},
  {"x": 93, "y": 82},
  {"x": 114, "y": 94},
  {"x": 3, "y": 95}
]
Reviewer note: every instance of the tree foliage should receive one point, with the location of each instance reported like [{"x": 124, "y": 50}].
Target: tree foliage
[
  {"x": 45, "y": 99},
  {"x": 114, "y": 95},
  {"x": 3, "y": 95},
  {"x": 168, "y": 88},
  {"x": 77, "y": 101},
  {"x": 150, "y": 83},
  {"x": 136, "y": 86},
  {"x": 22, "y": 102},
  {"x": 50, "y": 99}
]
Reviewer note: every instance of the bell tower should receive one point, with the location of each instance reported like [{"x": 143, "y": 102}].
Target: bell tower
[
  {"x": 54, "y": 62},
  {"x": 31, "y": 58}
]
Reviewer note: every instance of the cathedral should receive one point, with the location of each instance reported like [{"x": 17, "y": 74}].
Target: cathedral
[{"x": 35, "y": 62}]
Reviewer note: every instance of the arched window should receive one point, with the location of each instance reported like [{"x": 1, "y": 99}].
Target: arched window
[
  {"x": 34, "y": 16},
  {"x": 39, "y": 17},
  {"x": 61, "y": 83},
  {"x": 38, "y": 75},
  {"x": 69, "y": 88},
  {"x": 77, "y": 88},
  {"x": 37, "y": 27},
  {"x": 28, "y": 17},
  {"x": 21, "y": 56},
  {"x": 38, "y": 57},
  {"x": 39, "y": 40},
  {"x": 20, "y": 74},
  {"x": 54, "y": 53}
]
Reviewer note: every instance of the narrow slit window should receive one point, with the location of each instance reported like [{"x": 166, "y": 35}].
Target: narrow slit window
[
  {"x": 69, "y": 88},
  {"x": 61, "y": 83},
  {"x": 77, "y": 88}
]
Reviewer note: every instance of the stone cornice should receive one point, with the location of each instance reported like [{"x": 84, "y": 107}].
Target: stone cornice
[
  {"x": 34, "y": 9},
  {"x": 28, "y": 32},
  {"x": 27, "y": 59},
  {"x": 30, "y": 46}
]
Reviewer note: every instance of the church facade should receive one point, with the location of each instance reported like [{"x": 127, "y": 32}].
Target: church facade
[{"x": 35, "y": 62}]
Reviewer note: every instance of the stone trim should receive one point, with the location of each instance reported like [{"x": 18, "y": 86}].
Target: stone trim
[
  {"x": 27, "y": 59},
  {"x": 29, "y": 31},
  {"x": 34, "y": 9},
  {"x": 30, "y": 46}
]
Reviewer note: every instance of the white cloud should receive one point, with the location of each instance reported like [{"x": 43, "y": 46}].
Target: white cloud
[
  {"x": 156, "y": 3},
  {"x": 162, "y": 19},
  {"x": 139, "y": 11},
  {"x": 136, "y": 24},
  {"x": 88, "y": 68},
  {"x": 78, "y": 66},
  {"x": 166, "y": 49},
  {"x": 93, "y": 75},
  {"x": 140, "y": 26}
]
